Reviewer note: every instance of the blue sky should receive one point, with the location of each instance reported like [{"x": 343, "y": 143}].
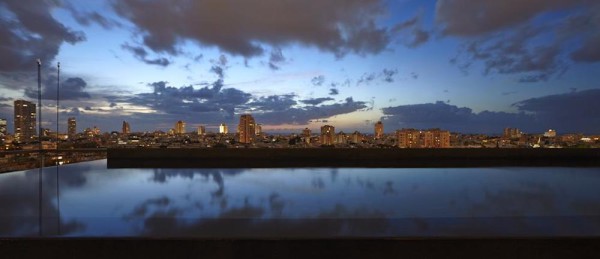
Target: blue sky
[{"x": 461, "y": 65}]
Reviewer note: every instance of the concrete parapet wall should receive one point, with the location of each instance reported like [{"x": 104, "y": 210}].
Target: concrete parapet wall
[{"x": 339, "y": 157}]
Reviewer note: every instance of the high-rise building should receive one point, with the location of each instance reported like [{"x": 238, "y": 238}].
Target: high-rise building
[
  {"x": 223, "y": 129},
  {"x": 180, "y": 127},
  {"x": 3, "y": 131},
  {"x": 246, "y": 129},
  {"x": 71, "y": 127},
  {"x": 126, "y": 128},
  {"x": 25, "y": 125},
  {"x": 511, "y": 133},
  {"x": 258, "y": 129},
  {"x": 201, "y": 130},
  {"x": 379, "y": 130},
  {"x": 327, "y": 135},
  {"x": 433, "y": 138}
]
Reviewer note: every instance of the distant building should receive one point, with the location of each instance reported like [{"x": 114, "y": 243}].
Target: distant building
[
  {"x": 327, "y": 135},
  {"x": 201, "y": 130},
  {"x": 246, "y": 129},
  {"x": 71, "y": 127},
  {"x": 433, "y": 138},
  {"x": 511, "y": 133},
  {"x": 356, "y": 137},
  {"x": 223, "y": 129},
  {"x": 179, "y": 127},
  {"x": 25, "y": 125},
  {"x": 126, "y": 128},
  {"x": 341, "y": 138},
  {"x": 3, "y": 131},
  {"x": 379, "y": 130},
  {"x": 306, "y": 135},
  {"x": 258, "y": 129},
  {"x": 550, "y": 133}
]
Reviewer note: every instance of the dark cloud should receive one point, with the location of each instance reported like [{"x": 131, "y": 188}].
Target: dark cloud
[
  {"x": 570, "y": 112},
  {"x": 473, "y": 18},
  {"x": 510, "y": 53},
  {"x": 388, "y": 74},
  {"x": 333, "y": 91},
  {"x": 318, "y": 80},
  {"x": 316, "y": 101},
  {"x": 218, "y": 71},
  {"x": 141, "y": 54},
  {"x": 504, "y": 36},
  {"x": 450, "y": 117},
  {"x": 413, "y": 31},
  {"x": 88, "y": 18},
  {"x": 71, "y": 89},
  {"x": 276, "y": 59},
  {"x": 274, "y": 102},
  {"x": 28, "y": 32},
  {"x": 304, "y": 114},
  {"x": 338, "y": 26}
]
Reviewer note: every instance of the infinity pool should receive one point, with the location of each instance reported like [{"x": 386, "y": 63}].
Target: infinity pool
[{"x": 89, "y": 200}]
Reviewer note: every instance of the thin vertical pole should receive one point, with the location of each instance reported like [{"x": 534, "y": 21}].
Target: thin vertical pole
[
  {"x": 39, "y": 65},
  {"x": 57, "y": 142}
]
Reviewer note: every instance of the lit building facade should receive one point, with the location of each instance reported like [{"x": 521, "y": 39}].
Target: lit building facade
[
  {"x": 433, "y": 138},
  {"x": 223, "y": 129},
  {"x": 341, "y": 138},
  {"x": 306, "y": 135},
  {"x": 327, "y": 135},
  {"x": 3, "y": 131},
  {"x": 379, "y": 130},
  {"x": 179, "y": 127},
  {"x": 71, "y": 127},
  {"x": 25, "y": 125},
  {"x": 258, "y": 129},
  {"x": 550, "y": 133},
  {"x": 246, "y": 129},
  {"x": 201, "y": 130},
  {"x": 126, "y": 128},
  {"x": 356, "y": 137}
]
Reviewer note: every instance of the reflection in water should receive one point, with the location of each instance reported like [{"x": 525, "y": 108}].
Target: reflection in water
[{"x": 318, "y": 202}]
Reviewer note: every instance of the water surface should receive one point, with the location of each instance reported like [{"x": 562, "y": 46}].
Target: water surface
[{"x": 318, "y": 202}]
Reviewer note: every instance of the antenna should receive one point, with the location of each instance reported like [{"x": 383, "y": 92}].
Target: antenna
[
  {"x": 57, "y": 142},
  {"x": 41, "y": 154}
]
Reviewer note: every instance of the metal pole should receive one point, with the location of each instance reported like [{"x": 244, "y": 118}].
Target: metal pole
[
  {"x": 57, "y": 142},
  {"x": 39, "y": 65}
]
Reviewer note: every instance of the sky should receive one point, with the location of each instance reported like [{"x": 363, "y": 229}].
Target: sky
[{"x": 471, "y": 66}]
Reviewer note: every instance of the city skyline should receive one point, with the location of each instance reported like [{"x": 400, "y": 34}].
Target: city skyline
[{"x": 410, "y": 64}]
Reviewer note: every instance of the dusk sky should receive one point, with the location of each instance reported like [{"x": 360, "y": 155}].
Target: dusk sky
[{"x": 474, "y": 66}]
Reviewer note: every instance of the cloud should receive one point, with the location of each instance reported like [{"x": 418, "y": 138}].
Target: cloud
[
  {"x": 318, "y": 80},
  {"x": 86, "y": 18},
  {"x": 388, "y": 74},
  {"x": 333, "y": 91},
  {"x": 316, "y": 101},
  {"x": 273, "y": 102},
  {"x": 72, "y": 88},
  {"x": 413, "y": 31},
  {"x": 507, "y": 38},
  {"x": 29, "y": 31},
  {"x": 577, "y": 112},
  {"x": 141, "y": 54},
  {"x": 304, "y": 114},
  {"x": 338, "y": 26},
  {"x": 276, "y": 59},
  {"x": 474, "y": 18}
]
